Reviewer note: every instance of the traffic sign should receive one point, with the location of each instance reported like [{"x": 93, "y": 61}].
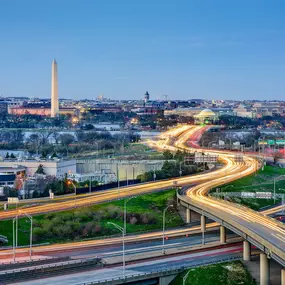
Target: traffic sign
[{"x": 280, "y": 141}]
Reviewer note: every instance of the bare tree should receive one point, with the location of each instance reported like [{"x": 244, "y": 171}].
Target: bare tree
[{"x": 276, "y": 156}]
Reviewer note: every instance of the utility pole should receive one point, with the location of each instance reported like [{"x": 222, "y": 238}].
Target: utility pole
[{"x": 163, "y": 227}]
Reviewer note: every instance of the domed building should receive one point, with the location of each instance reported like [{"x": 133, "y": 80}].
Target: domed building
[{"x": 206, "y": 116}]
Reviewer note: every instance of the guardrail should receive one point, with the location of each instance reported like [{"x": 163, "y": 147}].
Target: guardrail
[
  {"x": 260, "y": 242},
  {"x": 27, "y": 263},
  {"x": 45, "y": 271},
  {"x": 154, "y": 274}
]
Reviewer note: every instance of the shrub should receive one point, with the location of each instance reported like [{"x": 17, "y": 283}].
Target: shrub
[{"x": 133, "y": 220}]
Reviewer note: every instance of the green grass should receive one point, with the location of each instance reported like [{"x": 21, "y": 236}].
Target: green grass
[
  {"x": 262, "y": 182},
  {"x": 228, "y": 273},
  {"x": 51, "y": 222}
]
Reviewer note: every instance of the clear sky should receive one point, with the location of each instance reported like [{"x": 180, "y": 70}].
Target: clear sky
[{"x": 215, "y": 49}]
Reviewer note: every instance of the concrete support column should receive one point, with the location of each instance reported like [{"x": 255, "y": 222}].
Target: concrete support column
[
  {"x": 282, "y": 276},
  {"x": 203, "y": 223},
  {"x": 223, "y": 236},
  {"x": 264, "y": 270},
  {"x": 188, "y": 216},
  {"x": 246, "y": 251}
]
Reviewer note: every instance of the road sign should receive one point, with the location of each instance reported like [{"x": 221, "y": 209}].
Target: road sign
[
  {"x": 13, "y": 200},
  {"x": 262, "y": 142},
  {"x": 247, "y": 195},
  {"x": 270, "y": 142},
  {"x": 200, "y": 158},
  {"x": 280, "y": 141},
  {"x": 263, "y": 195}
]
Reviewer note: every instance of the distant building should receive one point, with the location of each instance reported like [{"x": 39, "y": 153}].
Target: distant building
[
  {"x": 268, "y": 109},
  {"x": 51, "y": 167},
  {"x": 146, "y": 97},
  {"x": 207, "y": 116},
  {"x": 12, "y": 177},
  {"x": 102, "y": 177},
  {"x": 244, "y": 111}
]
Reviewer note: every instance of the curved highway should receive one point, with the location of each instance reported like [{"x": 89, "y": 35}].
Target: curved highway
[
  {"x": 263, "y": 230},
  {"x": 253, "y": 222}
]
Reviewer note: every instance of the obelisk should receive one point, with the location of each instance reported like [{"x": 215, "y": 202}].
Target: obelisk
[{"x": 54, "y": 90}]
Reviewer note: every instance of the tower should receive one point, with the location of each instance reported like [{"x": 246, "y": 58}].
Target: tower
[
  {"x": 54, "y": 90},
  {"x": 146, "y": 96}
]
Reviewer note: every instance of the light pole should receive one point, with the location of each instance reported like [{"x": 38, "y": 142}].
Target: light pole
[
  {"x": 185, "y": 277},
  {"x": 125, "y": 213},
  {"x": 31, "y": 231},
  {"x": 90, "y": 184},
  {"x": 163, "y": 227},
  {"x": 180, "y": 170},
  {"x": 70, "y": 182},
  {"x": 97, "y": 149},
  {"x": 274, "y": 181},
  {"x": 283, "y": 200},
  {"x": 123, "y": 234},
  {"x": 14, "y": 251}
]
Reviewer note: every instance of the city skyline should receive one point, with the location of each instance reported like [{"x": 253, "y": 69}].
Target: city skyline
[{"x": 185, "y": 50}]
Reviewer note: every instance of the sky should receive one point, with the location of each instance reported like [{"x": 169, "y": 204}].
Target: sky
[{"x": 210, "y": 49}]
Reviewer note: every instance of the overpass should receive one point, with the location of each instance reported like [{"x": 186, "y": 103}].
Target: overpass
[{"x": 257, "y": 229}]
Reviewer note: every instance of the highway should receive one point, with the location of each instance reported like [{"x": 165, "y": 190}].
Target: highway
[
  {"x": 182, "y": 135},
  {"x": 265, "y": 230},
  {"x": 187, "y": 260},
  {"x": 114, "y": 194}
]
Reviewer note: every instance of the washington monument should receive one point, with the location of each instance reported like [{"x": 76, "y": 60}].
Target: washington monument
[{"x": 54, "y": 90}]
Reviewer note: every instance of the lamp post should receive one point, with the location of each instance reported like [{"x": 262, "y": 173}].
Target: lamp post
[
  {"x": 283, "y": 200},
  {"x": 70, "y": 182},
  {"x": 274, "y": 188},
  {"x": 14, "y": 251},
  {"x": 90, "y": 184},
  {"x": 97, "y": 149},
  {"x": 163, "y": 227},
  {"x": 185, "y": 277},
  {"x": 31, "y": 231},
  {"x": 123, "y": 235},
  {"x": 125, "y": 213}
]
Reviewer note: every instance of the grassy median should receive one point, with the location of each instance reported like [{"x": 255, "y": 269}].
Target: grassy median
[
  {"x": 261, "y": 182},
  {"x": 228, "y": 273},
  {"x": 144, "y": 213}
]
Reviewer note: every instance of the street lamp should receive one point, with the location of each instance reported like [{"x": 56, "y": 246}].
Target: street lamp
[
  {"x": 123, "y": 234},
  {"x": 283, "y": 200},
  {"x": 70, "y": 182},
  {"x": 163, "y": 227},
  {"x": 31, "y": 231},
  {"x": 185, "y": 277},
  {"x": 14, "y": 251},
  {"x": 274, "y": 180},
  {"x": 97, "y": 149},
  {"x": 125, "y": 213}
]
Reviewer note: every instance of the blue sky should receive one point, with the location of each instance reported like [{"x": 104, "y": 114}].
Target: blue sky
[{"x": 213, "y": 49}]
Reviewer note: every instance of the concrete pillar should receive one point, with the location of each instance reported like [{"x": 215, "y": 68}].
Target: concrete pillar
[
  {"x": 264, "y": 270},
  {"x": 188, "y": 216},
  {"x": 223, "y": 236},
  {"x": 246, "y": 250},
  {"x": 203, "y": 223},
  {"x": 282, "y": 276}
]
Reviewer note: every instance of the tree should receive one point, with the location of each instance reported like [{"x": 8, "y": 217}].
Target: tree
[
  {"x": 167, "y": 154},
  {"x": 12, "y": 155},
  {"x": 7, "y": 155},
  {"x": 276, "y": 156},
  {"x": 40, "y": 169},
  {"x": 66, "y": 140},
  {"x": 34, "y": 141}
]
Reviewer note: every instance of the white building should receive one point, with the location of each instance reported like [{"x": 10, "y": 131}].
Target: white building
[
  {"x": 103, "y": 177},
  {"x": 51, "y": 167}
]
